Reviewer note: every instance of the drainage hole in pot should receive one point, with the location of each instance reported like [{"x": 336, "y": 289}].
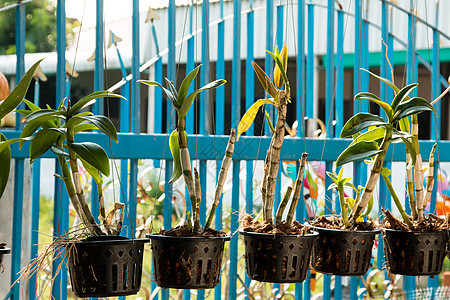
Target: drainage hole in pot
[
  {"x": 216, "y": 270},
  {"x": 300, "y": 246},
  {"x": 259, "y": 246},
  {"x": 302, "y": 268},
  {"x": 108, "y": 253},
  {"x": 199, "y": 271},
  {"x": 284, "y": 266},
  {"x": 427, "y": 242},
  {"x": 363, "y": 262},
  {"x": 269, "y": 246},
  {"x": 338, "y": 260},
  {"x": 215, "y": 249},
  {"x": 206, "y": 249},
  {"x": 195, "y": 249},
  {"x": 355, "y": 241},
  {"x": 274, "y": 265},
  {"x": 344, "y": 241},
  {"x": 120, "y": 253},
  {"x": 125, "y": 277},
  {"x": 438, "y": 260},
  {"x": 291, "y": 246},
  {"x": 280, "y": 246},
  {"x": 355, "y": 267},
  {"x": 294, "y": 267},
  {"x": 430, "y": 260},
  {"x": 348, "y": 255},
  {"x": 133, "y": 277},
  {"x": 114, "y": 277},
  {"x": 363, "y": 242},
  {"x": 417, "y": 241},
  {"x": 207, "y": 275},
  {"x": 130, "y": 253},
  {"x": 436, "y": 241}
]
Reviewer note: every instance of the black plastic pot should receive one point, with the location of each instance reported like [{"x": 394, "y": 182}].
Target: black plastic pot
[
  {"x": 415, "y": 253},
  {"x": 343, "y": 252},
  {"x": 3, "y": 252},
  {"x": 277, "y": 258},
  {"x": 187, "y": 262},
  {"x": 105, "y": 266}
]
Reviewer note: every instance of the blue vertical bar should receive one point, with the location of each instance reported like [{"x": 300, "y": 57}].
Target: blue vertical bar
[
  {"x": 98, "y": 107},
  {"x": 220, "y": 73},
  {"x": 249, "y": 74},
  {"x": 310, "y": 64},
  {"x": 158, "y": 96},
  {"x": 383, "y": 202},
  {"x": 171, "y": 62},
  {"x": 135, "y": 87},
  {"x": 328, "y": 210},
  {"x": 167, "y": 211},
  {"x": 132, "y": 199},
  {"x": 203, "y": 174},
  {"x": 268, "y": 60},
  {"x": 300, "y": 215},
  {"x": 236, "y": 72},
  {"x": 35, "y": 205},
  {"x": 384, "y": 64},
  {"x": 190, "y": 65},
  {"x": 301, "y": 71},
  {"x": 280, "y": 26},
  {"x": 204, "y": 97},
  {"x": 356, "y": 64},
  {"x": 232, "y": 277},
  {"x": 329, "y": 110},
  {"x": 57, "y": 286},
  {"x": 249, "y": 99},
  {"x": 364, "y": 76},
  {"x": 340, "y": 74}
]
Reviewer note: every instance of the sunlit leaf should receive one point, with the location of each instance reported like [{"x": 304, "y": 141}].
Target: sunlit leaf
[
  {"x": 16, "y": 96},
  {"x": 104, "y": 124},
  {"x": 190, "y": 99},
  {"x": 402, "y": 95},
  {"x": 411, "y": 107},
  {"x": 280, "y": 67},
  {"x": 249, "y": 116},
  {"x": 175, "y": 149},
  {"x": 184, "y": 87},
  {"x": 360, "y": 150},
  {"x": 5, "y": 163},
  {"x": 277, "y": 73},
  {"x": 169, "y": 95},
  {"x": 387, "y": 81},
  {"x": 93, "y": 172},
  {"x": 371, "y": 135},
  {"x": 89, "y": 100},
  {"x": 269, "y": 122},
  {"x": 264, "y": 80},
  {"x": 374, "y": 98},
  {"x": 171, "y": 87},
  {"x": 42, "y": 142},
  {"x": 93, "y": 154},
  {"x": 359, "y": 122}
]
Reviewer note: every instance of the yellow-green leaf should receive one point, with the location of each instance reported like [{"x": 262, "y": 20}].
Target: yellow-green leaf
[
  {"x": 175, "y": 150},
  {"x": 249, "y": 116},
  {"x": 265, "y": 80},
  {"x": 277, "y": 73}
]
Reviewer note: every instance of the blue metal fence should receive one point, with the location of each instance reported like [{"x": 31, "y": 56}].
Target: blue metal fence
[{"x": 130, "y": 148}]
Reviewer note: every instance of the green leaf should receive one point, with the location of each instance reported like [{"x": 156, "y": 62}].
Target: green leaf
[
  {"x": 359, "y": 122},
  {"x": 332, "y": 186},
  {"x": 404, "y": 125},
  {"x": 188, "y": 102},
  {"x": 371, "y": 135},
  {"x": 89, "y": 100},
  {"x": 169, "y": 95},
  {"x": 93, "y": 172},
  {"x": 402, "y": 95},
  {"x": 93, "y": 154},
  {"x": 5, "y": 162},
  {"x": 410, "y": 149},
  {"x": 249, "y": 116},
  {"x": 360, "y": 150},
  {"x": 24, "y": 112},
  {"x": 374, "y": 98},
  {"x": 59, "y": 151},
  {"x": 171, "y": 88},
  {"x": 265, "y": 80},
  {"x": 411, "y": 107},
  {"x": 32, "y": 126},
  {"x": 42, "y": 142},
  {"x": 31, "y": 105},
  {"x": 104, "y": 124},
  {"x": 45, "y": 112},
  {"x": 83, "y": 127},
  {"x": 333, "y": 177},
  {"x": 182, "y": 93},
  {"x": 387, "y": 81},
  {"x": 16, "y": 96},
  {"x": 175, "y": 149},
  {"x": 5, "y": 144},
  {"x": 270, "y": 123}
]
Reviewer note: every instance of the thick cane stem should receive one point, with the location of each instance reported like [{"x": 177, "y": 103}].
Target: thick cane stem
[
  {"x": 226, "y": 162},
  {"x": 410, "y": 186},
  {"x": 282, "y": 205},
  {"x": 418, "y": 169},
  {"x": 274, "y": 158},
  {"x": 198, "y": 195},
  {"x": 297, "y": 189},
  {"x": 430, "y": 177},
  {"x": 373, "y": 178}
]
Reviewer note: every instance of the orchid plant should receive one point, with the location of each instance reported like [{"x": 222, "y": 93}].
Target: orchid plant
[{"x": 178, "y": 143}]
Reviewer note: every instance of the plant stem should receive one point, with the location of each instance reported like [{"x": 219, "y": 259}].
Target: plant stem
[
  {"x": 90, "y": 222},
  {"x": 396, "y": 200},
  {"x": 282, "y": 205},
  {"x": 344, "y": 206},
  {"x": 186, "y": 165},
  {"x": 297, "y": 189},
  {"x": 222, "y": 176},
  {"x": 274, "y": 158},
  {"x": 373, "y": 178},
  {"x": 198, "y": 195},
  {"x": 410, "y": 186},
  {"x": 264, "y": 187},
  {"x": 418, "y": 175},
  {"x": 430, "y": 177}
]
